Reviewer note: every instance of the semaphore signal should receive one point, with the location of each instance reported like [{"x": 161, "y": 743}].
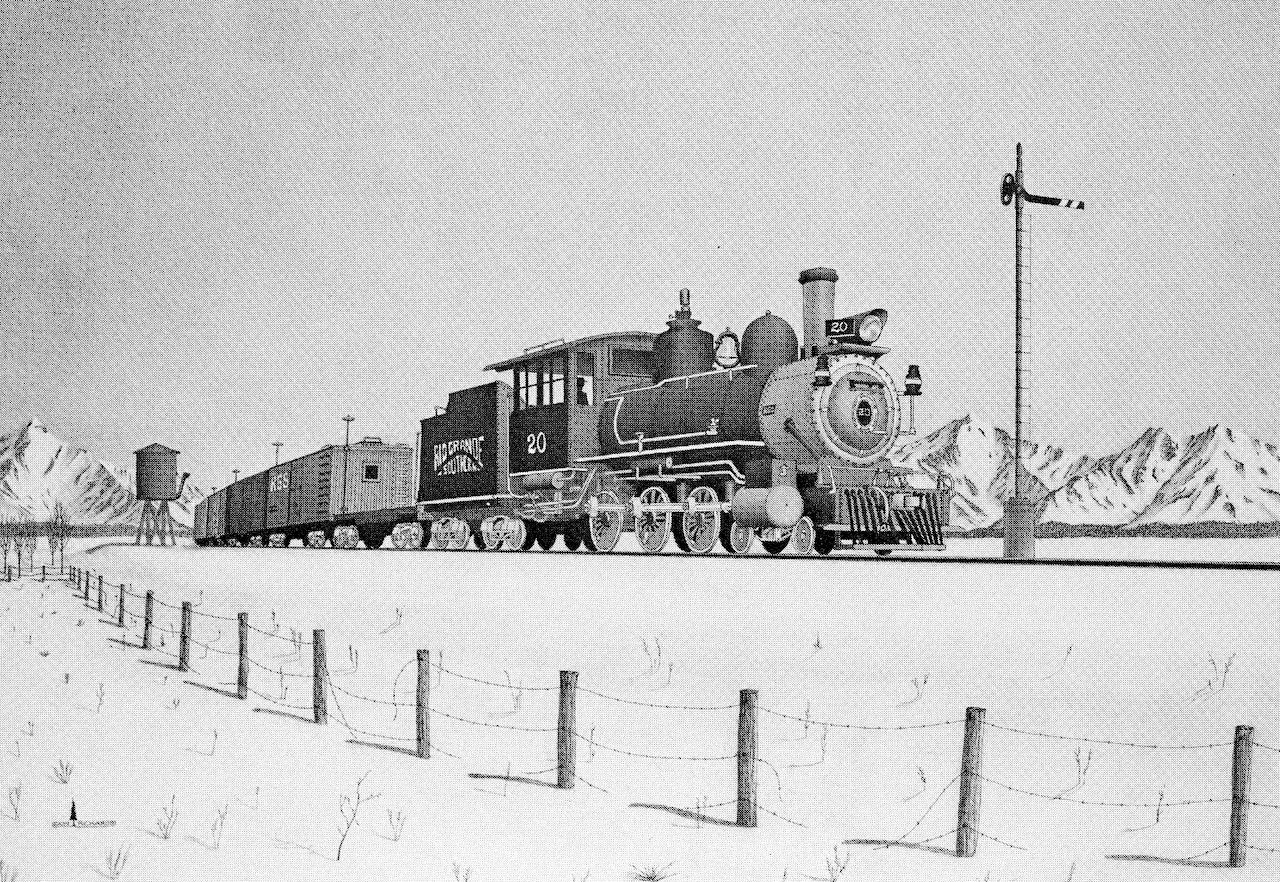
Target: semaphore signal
[{"x": 1019, "y": 512}]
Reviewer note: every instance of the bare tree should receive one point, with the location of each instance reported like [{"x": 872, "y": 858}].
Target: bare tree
[{"x": 58, "y": 531}]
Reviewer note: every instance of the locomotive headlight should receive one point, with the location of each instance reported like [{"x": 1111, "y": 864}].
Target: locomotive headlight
[{"x": 870, "y": 327}]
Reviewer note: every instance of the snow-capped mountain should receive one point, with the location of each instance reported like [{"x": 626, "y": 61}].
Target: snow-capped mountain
[
  {"x": 38, "y": 470},
  {"x": 978, "y": 458},
  {"x": 1219, "y": 476}
]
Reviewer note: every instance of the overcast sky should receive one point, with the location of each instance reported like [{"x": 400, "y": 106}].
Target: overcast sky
[{"x": 226, "y": 224}]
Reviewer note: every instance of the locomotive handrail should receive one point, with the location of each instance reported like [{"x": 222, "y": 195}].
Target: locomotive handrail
[{"x": 729, "y": 372}]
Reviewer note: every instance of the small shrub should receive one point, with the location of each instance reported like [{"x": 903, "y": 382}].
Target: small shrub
[
  {"x": 168, "y": 817},
  {"x": 219, "y": 822},
  {"x": 115, "y": 861},
  {"x": 62, "y": 771},
  {"x": 651, "y": 873}
]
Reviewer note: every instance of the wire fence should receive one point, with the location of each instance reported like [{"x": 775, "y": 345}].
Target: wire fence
[{"x": 568, "y": 732}]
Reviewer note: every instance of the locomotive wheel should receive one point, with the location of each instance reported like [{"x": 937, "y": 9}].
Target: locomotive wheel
[
  {"x": 461, "y": 538},
  {"x": 530, "y": 536},
  {"x": 776, "y": 547},
  {"x": 517, "y": 535},
  {"x": 602, "y": 532},
  {"x": 736, "y": 538},
  {"x": 804, "y": 536},
  {"x": 546, "y": 537},
  {"x": 824, "y": 542},
  {"x": 653, "y": 528},
  {"x": 696, "y": 532},
  {"x": 884, "y": 552},
  {"x": 573, "y": 538}
]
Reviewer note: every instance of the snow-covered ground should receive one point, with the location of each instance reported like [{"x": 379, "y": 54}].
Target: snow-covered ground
[{"x": 1120, "y": 654}]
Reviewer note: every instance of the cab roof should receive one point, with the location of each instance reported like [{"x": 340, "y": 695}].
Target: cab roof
[{"x": 536, "y": 353}]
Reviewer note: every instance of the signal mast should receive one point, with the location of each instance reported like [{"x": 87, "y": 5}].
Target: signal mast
[{"x": 1019, "y": 511}]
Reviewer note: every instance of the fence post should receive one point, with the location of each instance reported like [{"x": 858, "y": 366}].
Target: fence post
[
  {"x": 87, "y": 579},
  {"x": 319, "y": 671},
  {"x": 566, "y": 732},
  {"x": 242, "y": 673},
  {"x": 120, "y": 608},
  {"x": 146, "y": 619},
  {"x": 41, "y": 572},
  {"x": 970, "y": 783},
  {"x": 184, "y": 638},
  {"x": 1241, "y": 761},
  {"x": 747, "y": 758},
  {"x": 424, "y": 695},
  {"x": 99, "y": 597}
]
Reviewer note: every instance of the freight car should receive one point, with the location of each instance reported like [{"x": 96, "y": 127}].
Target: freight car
[{"x": 340, "y": 494}]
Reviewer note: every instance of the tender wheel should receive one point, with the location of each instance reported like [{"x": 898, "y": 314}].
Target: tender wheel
[
  {"x": 824, "y": 541},
  {"x": 546, "y": 537},
  {"x": 315, "y": 539},
  {"x": 517, "y": 533},
  {"x": 463, "y": 536},
  {"x": 407, "y": 536},
  {"x": 736, "y": 538},
  {"x": 697, "y": 531},
  {"x": 572, "y": 538},
  {"x": 804, "y": 536},
  {"x": 653, "y": 528},
  {"x": 485, "y": 543},
  {"x": 602, "y": 532},
  {"x": 530, "y": 536}
]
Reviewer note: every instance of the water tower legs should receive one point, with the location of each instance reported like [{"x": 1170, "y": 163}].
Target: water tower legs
[{"x": 155, "y": 521}]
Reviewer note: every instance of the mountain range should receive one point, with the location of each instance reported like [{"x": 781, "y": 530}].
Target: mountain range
[
  {"x": 38, "y": 471},
  {"x": 1157, "y": 483},
  {"x": 1219, "y": 478}
]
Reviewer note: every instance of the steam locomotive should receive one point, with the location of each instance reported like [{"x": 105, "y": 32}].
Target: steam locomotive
[{"x": 707, "y": 440}]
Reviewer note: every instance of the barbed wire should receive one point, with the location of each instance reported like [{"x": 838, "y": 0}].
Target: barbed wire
[
  {"x": 1266, "y": 747},
  {"x": 268, "y": 698},
  {"x": 652, "y": 756},
  {"x": 359, "y": 697},
  {"x": 215, "y": 649},
  {"x": 1270, "y": 805},
  {"x": 578, "y": 777},
  {"x": 1263, "y": 848},
  {"x": 511, "y": 686},
  {"x": 776, "y": 815},
  {"x": 684, "y": 707},
  {"x": 859, "y": 726},
  {"x": 342, "y": 718},
  {"x": 277, "y": 671},
  {"x": 995, "y": 840},
  {"x": 1116, "y": 743},
  {"x": 921, "y": 819},
  {"x": 435, "y": 712},
  {"x": 1063, "y": 798}
]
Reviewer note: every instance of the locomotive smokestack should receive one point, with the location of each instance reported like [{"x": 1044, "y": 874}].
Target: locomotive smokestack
[{"x": 818, "y": 287}]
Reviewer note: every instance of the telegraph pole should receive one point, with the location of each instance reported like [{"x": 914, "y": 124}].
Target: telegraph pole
[
  {"x": 346, "y": 451},
  {"x": 277, "y": 445},
  {"x": 1019, "y": 511}
]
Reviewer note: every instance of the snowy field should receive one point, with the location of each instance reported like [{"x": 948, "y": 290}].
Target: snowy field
[{"x": 1133, "y": 655}]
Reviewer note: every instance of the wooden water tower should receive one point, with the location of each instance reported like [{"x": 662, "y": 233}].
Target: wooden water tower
[{"x": 157, "y": 483}]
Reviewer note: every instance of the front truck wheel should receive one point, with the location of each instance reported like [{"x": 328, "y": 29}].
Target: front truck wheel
[{"x": 736, "y": 538}]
